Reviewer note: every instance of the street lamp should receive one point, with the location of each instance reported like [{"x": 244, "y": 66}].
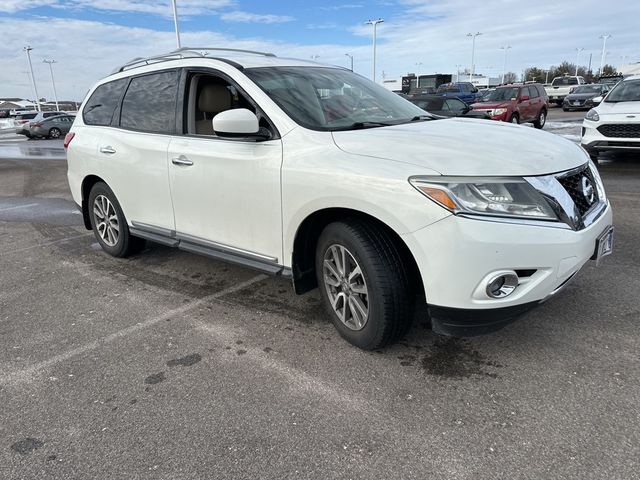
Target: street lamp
[
  {"x": 418, "y": 65},
  {"x": 473, "y": 52},
  {"x": 53, "y": 82},
  {"x": 504, "y": 63},
  {"x": 33, "y": 79},
  {"x": 375, "y": 26},
  {"x": 578, "y": 50},
  {"x": 175, "y": 22},
  {"x": 351, "y": 57},
  {"x": 604, "y": 49}
]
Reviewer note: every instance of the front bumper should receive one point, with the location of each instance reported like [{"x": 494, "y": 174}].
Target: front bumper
[
  {"x": 593, "y": 141},
  {"x": 457, "y": 256}
]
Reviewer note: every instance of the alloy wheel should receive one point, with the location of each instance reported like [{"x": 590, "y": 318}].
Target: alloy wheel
[
  {"x": 346, "y": 287},
  {"x": 106, "y": 220}
]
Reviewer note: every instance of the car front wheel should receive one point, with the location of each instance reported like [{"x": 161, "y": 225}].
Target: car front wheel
[
  {"x": 541, "y": 119},
  {"x": 55, "y": 133},
  {"x": 109, "y": 224},
  {"x": 363, "y": 283},
  {"x": 514, "y": 118}
]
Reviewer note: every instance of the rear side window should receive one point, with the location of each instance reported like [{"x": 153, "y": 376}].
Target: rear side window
[
  {"x": 150, "y": 103},
  {"x": 26, "y": 116},
  {"x": 533, "y": 92},
  {"x": 102, "y": 103}
]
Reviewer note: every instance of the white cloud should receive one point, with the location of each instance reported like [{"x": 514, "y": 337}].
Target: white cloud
[
  {"x": 247, "y": 17},
  {"x": 159, "y": 7}
]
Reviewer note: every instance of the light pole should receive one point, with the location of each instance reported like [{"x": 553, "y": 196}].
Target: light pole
[
  {"x": 53, "y": 82},
  {"x": 418, "y": 65},
  {"x": 458, "y": 73},
  {"x": 504, "y": 63},
  {"x": 33, "y": 79},
  {"x": 350, "y": 57},
  {"x": 175, "y": 22},
  {"x": 473, "y": 52},
  {"x": 578, "y": 50},
  {"x": 375, "y": 26},
  {"x": 604, "y": 49}
]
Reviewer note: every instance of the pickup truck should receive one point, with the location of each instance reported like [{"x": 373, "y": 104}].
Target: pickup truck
[{"x": 561, "y": 87}]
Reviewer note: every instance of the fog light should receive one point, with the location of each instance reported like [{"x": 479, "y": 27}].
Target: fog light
[{"x": 502, "y": 285}]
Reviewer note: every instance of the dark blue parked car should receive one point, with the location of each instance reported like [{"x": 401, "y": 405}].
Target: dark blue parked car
[{"x": 465, "y": 91}]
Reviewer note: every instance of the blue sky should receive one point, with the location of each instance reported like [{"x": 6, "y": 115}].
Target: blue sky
[{"x": 89, "y": 37}]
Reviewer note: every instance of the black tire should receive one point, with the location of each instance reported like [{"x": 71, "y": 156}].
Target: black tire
[
  {"x": 126, "y": 243},
  {"x": 564, "y": 109},
  {"x": 389, "y": 298},
  {"x": 514, "y": 118},
  {"x": 55, "y": 133},
  {"x": 541, "y": 119}
]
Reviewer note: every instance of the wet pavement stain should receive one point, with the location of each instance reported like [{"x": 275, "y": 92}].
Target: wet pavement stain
[
  {"x": 185, "y": 361},
  {"x": 454, "y": 358},
  {"x": 155, "y": 378},
  {"x": 27, "y": 445}
]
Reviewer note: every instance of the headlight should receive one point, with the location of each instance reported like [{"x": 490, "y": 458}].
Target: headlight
[
  {"x": 598, "y": 181},
  {"x": 498, "y": 111},
  {"x": 498, "y": 197},
  {"x": 592, "y": 115}
]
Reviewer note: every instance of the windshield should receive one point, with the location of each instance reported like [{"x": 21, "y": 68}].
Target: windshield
[
  {"x": 628, "y": 91},
  {"x": 449, "y": 88},
  {"x": 502, "y": 94},
  {"x": 559, "y": 81},
  {"x": 324, "y": 98},
  {"x": 588, "y": 89}
]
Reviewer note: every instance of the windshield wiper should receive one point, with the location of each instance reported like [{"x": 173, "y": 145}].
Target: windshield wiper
[
  {"x": 417, "y": 118},
  {"x": 358, "y": 125}
]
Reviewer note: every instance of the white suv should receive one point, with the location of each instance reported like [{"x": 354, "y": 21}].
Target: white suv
[
  {"x": 317, "y": 174},
  {"x": 614, "y": 125}
]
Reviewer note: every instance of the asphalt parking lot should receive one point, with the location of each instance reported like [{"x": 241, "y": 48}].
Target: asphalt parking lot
[{"x": 172, "y": 366}]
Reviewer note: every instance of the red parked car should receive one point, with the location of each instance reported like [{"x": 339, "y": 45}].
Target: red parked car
[{"x": 517, "y": 103}]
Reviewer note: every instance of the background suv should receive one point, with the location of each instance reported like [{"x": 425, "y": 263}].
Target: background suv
[
  {"x": 614, "y": 125},
  {"x": 516, "y": 103},
  {"x": 320, "y": 175},
  {"x": 465, "y": 91}
]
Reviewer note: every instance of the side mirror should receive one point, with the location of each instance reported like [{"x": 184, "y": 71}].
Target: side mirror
[
  {"x": 597, "y": 100},
  {"x": 524, "y": 98},
  {"x": 238, "y": 122}
]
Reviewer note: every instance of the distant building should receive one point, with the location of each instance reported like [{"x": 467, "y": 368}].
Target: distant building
[{"x": 630, "y": 69}]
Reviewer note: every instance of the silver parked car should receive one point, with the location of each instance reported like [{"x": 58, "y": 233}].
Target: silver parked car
[
  {"x": 52, "y": 127},
  {"x": 22, "y": 120}
]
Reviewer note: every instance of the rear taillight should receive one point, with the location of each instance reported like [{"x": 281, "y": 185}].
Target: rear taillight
[
  {"x": 38, "y": 125},
  {"x": 67, "y": 139}
]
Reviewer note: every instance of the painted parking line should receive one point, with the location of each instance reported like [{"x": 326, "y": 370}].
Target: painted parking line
[
  {"x": 19, "y": 206},
  {"x": 27, "y": 374},
  {"x": 54, "y": 242}
]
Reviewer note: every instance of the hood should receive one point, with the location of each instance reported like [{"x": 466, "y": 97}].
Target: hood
[
  {"x": 489, "y": 105},
  {"x": 613, "y": 108},
  {"x": 461, "y": 146}
]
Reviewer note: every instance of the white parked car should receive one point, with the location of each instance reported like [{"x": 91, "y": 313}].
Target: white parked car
[
  {"x": 319, "y": 175},
  {"x": 614, "y": 125},
  {"x": 561, "y": 87}
]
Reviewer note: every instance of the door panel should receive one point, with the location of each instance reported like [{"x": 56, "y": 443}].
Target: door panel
[
  {"x": 136, "y": 171},
  {"x": 228, "y": 192}
]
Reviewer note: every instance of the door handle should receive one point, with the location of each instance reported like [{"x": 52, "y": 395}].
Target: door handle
[
  {"x": 182, "y": 161},
  {"x": 109, "y": 150}
]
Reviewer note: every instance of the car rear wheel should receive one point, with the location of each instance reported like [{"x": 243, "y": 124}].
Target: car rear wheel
[
  {"x": 541, "y": 120},
  {"x": 55, "y": 133},
  {"x": 363, "y": 283},
  {"x": 514, "y": 118},
  {"x": 109, "y": 224}
]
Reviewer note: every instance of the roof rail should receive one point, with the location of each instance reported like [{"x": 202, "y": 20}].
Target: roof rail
[
  {"x": 184, "y": 52},
  {"x": 235, "y": 50}
]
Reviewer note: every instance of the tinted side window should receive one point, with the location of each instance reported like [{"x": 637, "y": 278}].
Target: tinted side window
[
  {"x": 150, "y": 103},
  {"x": 533, "y": 92},
  {"x": 100, "y": 107}
]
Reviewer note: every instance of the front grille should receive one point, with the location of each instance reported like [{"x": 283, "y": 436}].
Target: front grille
[
  {"x": 575, "y": 187},
  {"x": 620, "y": 130}
]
